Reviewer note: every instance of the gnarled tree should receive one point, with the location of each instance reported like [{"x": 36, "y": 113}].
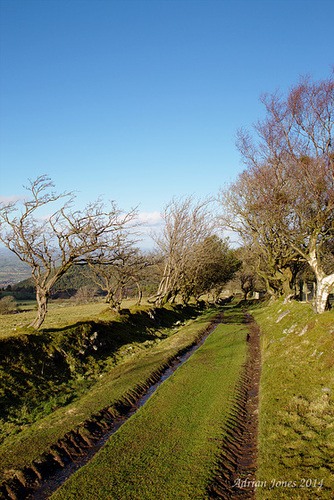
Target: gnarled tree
[
  {"x": 187, "y": 223},
  {"x": 249, "y": 211},
  {"x": 53, "y": 244},
  {"x": 290, "y": 171},
  {"x": 209, "y": 266},
  {"x": 247, "y": 277},
  {"x": 122, "y": 265}
]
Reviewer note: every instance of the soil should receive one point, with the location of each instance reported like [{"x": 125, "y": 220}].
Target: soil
[{"x": 235, "y": 476}]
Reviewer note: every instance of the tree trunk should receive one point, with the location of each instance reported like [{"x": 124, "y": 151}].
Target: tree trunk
[
  {"x": 165, "y": 287},
  {"x": 324, "y": 283},
  {"x": 140, "y": 294},
  {"x": 287, "y": 282},
  {"x": 324, "y": 286},
  {"x": 109, "y": 297},
  {"x": 114, "y": 304},
  {"x": 42, "y": 297}
]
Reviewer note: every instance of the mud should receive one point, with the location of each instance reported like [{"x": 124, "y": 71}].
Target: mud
[{"x": 235, "y": 475}]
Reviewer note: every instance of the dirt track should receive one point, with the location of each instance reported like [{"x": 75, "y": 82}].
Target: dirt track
[
  {"x": 75, "y": 446},
  {"x": 236, "y": 468}
]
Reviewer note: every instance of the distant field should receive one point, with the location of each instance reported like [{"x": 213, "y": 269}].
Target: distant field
[
  {"x": 59, "y": 315},
  {"x": 12, "y": 270}
]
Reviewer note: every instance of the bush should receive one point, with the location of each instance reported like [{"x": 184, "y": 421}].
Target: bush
[{"x": 7, "y": 305}]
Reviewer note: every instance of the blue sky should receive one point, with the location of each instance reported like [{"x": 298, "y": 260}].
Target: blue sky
[{"x": 140, "y": 100}]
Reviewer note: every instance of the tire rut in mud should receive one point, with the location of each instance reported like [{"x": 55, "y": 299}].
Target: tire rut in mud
[{"x": 235, "y": 474}]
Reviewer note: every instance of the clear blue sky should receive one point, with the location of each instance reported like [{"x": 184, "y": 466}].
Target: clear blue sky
[{"x": 140, "y": 100}]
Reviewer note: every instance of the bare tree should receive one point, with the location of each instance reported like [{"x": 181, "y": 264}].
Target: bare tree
[
  {"x": 248, "y": 211},
  {"x": 247, "y": 276},
  {"x": 85, "y": 294},
  {"x": 53, "y": 244},
  {"x": 187, "y": 222},
  {"x": 120, "y": 266},
  {"x": 290, "y": 171},
  {"x": 211, "y": 263}
]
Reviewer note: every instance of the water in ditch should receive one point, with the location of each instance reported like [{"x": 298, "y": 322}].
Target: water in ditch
[{"x": 51, "y": 484}]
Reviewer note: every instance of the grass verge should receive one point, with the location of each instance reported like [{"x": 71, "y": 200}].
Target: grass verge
[
  {"x": 296, "y": 430},
  {"x": 168, "y": 449},
  {"x": 58, "y": 315}
]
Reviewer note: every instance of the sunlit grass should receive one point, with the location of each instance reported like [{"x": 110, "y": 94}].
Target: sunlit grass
[
  {"x": 134, "y": 368},
  {"x": 168, "y": 449},
  {"x": 296, "y": 433},
  {"x": 59, "y": 315}
]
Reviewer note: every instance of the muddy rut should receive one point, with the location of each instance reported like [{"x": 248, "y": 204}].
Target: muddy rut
[{"x": 236, "y": 467}]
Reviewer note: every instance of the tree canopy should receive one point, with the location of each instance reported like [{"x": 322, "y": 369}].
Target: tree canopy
[{"x": 284, "y": 199}]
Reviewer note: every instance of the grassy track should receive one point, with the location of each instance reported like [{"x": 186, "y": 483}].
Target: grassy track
[
  {"x": 168, "y": 449},
  {"x": 296, "y": 432},
  {"x": 35, "y": 439}
]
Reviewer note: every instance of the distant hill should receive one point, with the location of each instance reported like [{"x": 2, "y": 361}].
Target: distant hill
[
  {"x": 12, "y": 270},
  {"x": 15, "y": 272},
  {"x": 65, "y": 287}
]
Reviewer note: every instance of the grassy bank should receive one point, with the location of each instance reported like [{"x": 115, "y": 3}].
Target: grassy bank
[
  {"x": 168, "y": 449},
  {"x": 42, "y": 371},
  {"x": 134, "y": 367},
  {"x": 296, "y": 431}
]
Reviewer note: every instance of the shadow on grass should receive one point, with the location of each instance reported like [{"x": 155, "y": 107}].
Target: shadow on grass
[{"x": 58, "y": 364}]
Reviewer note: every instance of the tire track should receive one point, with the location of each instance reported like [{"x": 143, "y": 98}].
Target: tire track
[{"x": 235, "y": 474}]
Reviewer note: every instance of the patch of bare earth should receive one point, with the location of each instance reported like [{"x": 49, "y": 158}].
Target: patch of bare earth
[{"x": 235, "y": 476}]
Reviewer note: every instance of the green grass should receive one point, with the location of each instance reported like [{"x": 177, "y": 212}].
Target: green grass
[
  {"x": 136, "y": 366},
  {"x": 58, "y": 316},
  {"x": 296, "y": 431},
  {"x": 42, "y": 371},
  {"x": 168, "y": 449},
  {"x": 173, "y": 439}
]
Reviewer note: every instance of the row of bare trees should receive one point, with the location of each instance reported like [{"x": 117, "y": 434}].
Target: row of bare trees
[
  {"x": 190, "y": 259},
  {"x": 282, "y": 204}
]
